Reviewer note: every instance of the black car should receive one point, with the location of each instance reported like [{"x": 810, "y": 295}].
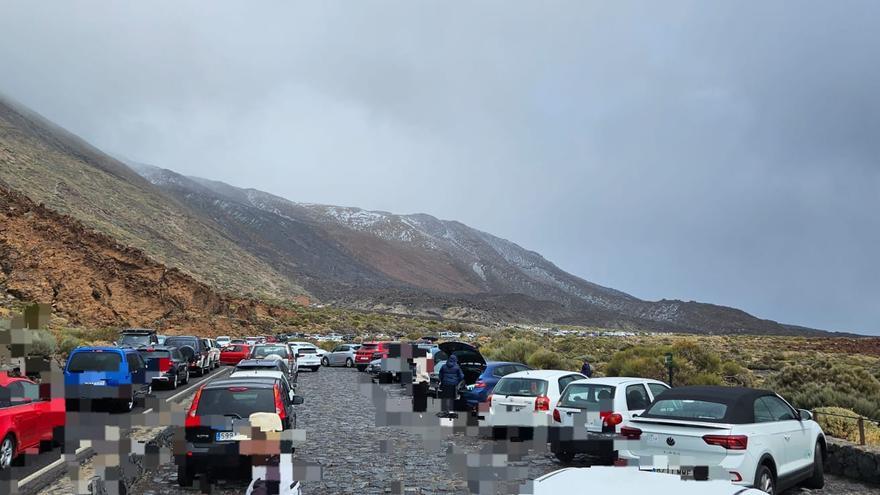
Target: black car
[
  {"x": 136, "y": 337},
  {"x": 219, "y": 410},
  {"x": 165, "y": 365},
  {"x": 197, "y": 354}
]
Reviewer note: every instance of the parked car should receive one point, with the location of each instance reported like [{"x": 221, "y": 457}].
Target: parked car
[
  {"x": 105, "y": 373},
  {"x": 223, "y": 341},
  {"x": 28, "y": 418},
  {"x": 365, "y": 353},
  {"x": 218, "y": 409},
  {"x": 165, "y": 365},
  {"x": 255, "y": 372},
  {"x": 160, "y": 339},
  {"x": 253, "y": 340},
  {"x": 198, "y": 355},
  {"x": 264, "y": 364},
  {"x": 525, "y": 398},
  {"x": 238, "y": 341},
  {"x": 479, "y": 391},
  {"x": 136, "y": 337},
  {"x": 233, "y": 353},
  {"x": 296, "y": 345},
  {"x": 263, "y": 351},
  {"x": 472, "y": 363},
  {"x": 213, "y": 353},
  {"x": 590, "y": 413},
  {"x": 754, "y": 435},
  {"x": 629, "y": 481},
  {"x": 341, "y": 355},
  {"x": 307, "y": 357}
]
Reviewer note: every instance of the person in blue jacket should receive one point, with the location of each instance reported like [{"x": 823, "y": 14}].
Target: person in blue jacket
[{"x": 450, "y": 376}]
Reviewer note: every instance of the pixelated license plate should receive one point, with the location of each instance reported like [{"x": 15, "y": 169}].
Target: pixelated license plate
[{"x": 223, "y": 436}]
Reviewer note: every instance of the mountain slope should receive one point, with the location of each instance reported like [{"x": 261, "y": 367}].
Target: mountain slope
[{"x": 53, "y": 167}]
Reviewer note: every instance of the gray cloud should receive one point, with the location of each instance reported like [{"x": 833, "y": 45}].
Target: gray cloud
[{"x": 722, "y": 153}]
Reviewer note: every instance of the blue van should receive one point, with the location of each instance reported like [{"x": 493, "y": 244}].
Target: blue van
[{"x": 105, "y": 373}]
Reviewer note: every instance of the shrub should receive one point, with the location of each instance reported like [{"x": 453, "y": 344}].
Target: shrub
[
  {"x": 68, "y": 343},
  {"x": 43, "y": 344},
  {"x": 845, "y": 428},
  {"x": 543, "y": 359},
  {"x": 826, "y": 383},
  {"x": 517, "y": 351}
]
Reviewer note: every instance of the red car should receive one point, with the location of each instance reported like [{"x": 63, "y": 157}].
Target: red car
[
  {"x": 233, "y": 353},
  {"x": 369, "y": 351},
  {"x": 26, "y": 419}
]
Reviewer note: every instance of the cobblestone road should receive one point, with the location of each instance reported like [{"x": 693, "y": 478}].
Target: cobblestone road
[{"x": 362, "y": 440}]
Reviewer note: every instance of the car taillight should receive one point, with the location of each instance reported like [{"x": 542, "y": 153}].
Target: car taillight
[
  {"x": 542, "y": 403},
  {"x": 191, "y": 418},
  {"x": 556, "y": 416},
  {"x": 480, "y": 384},
  {"x": 164, "y": 364},
  {"x": 279, "y": 405},
  {"x": 613, "y": 419},
  {"x": 729, "y": 442},
  {"x": 630, "y": 433}
]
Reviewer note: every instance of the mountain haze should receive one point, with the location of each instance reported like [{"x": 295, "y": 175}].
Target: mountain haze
[{"x": 250, "y": 242}]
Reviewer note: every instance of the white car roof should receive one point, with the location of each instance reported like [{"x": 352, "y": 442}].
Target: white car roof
[
  {"x": 267, "y": 373},
  {"x": 629, "y": 480},
  {"x": 618, "y": 380},
  {"x": 543, "y": 374}
]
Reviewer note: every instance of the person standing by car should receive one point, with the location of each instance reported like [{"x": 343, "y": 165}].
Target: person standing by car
[
  {"x": 450, "y": 376},
  {"x": 586, "y": 369}
]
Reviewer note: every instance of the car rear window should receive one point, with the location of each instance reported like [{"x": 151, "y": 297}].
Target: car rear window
[
  {"x": 586, "y": 395},
  {"x": 263, "y": 351},
  {"x": 523, "y": 387},
  {"x": 239, "y": 402},
  {"x": 155, "y": 354},
  {"x": 368, "y": 347},
  {"x": 182, "y": 341},
  {"x": 253, "y": 367},
  {"x": 135, "y": 339},
  {"x": 700, "y": 410},
  {"x": 94, "y": 361},
  {"x": 306, "y": 350}
]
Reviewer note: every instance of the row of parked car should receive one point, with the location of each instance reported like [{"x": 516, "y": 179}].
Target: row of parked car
[{"x": 751, "y": 437}]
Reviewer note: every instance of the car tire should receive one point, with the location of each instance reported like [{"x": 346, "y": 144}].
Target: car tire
[
  {"x": 7, "y": 452},
  {"x": 764, "y": 479},
  {"x": 58, "y": 436},
  {"x": 185, "y": 477},
  {"x": 175, "y": 383},
  {"x": 564, "y": 457},
  {"x": 325, "y": 362},
  {"x": 817, "y": 480},
  {"x": 186, "y": 377},
  {"x": 315, "y": 368},
  {"x": 349, "y": 363},
  {"x": 126, "y": 406}
]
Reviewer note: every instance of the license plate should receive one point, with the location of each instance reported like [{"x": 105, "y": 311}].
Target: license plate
[
  {"x": 514, "y": 408},
  {"x": 683, "y": 472},
  {"x": 653, "y": 439},
  {"x": 223, "y": 436}
]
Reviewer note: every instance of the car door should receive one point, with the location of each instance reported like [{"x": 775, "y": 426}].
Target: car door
[
  {"x": 136, "y": 368},
  {"x": 27, "y": 412},
  {"x": 636, "y": 398},
  {"x": 798, "y": 451},
  {"x": 334, "y": 355},
  {"x": 767, "y": 434}
]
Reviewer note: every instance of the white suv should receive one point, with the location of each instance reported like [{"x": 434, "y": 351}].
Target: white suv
[
  {"x": 590, "y": 411},
  {"x": 752, "y": 437}
]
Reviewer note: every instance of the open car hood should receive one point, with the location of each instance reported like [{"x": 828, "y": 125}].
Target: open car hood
[{"x": 466, "y": 353}]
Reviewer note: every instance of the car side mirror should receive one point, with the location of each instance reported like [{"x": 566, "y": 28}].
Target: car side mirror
[
  {"x": 805, "y": 415},
  {"x": 297, "y": 400}
]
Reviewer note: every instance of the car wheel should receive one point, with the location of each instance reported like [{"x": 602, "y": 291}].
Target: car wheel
[
  {"x": 817, "y": 480},
  {"x": 764, "y": 480},
  {"x": 325, "y": 362},
  {"x": 564, "y": 457},
  {"x": 174, "y": 383},
  {"x": 58, "y": 436},
  {"x": 315, "y": 368},
  {"x": 127, "y": 405},
  {"x": 349, "y": 363},
  {"x": 185, "y": 477},
  {"x": 7, "y": 452},
  {"x": 185, "y": 377}
]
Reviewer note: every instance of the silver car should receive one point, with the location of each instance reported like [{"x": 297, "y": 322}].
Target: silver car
[{"x": 341, "y": 355}]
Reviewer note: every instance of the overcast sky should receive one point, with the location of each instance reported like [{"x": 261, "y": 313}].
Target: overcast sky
[{"x": 693, "y": 150}]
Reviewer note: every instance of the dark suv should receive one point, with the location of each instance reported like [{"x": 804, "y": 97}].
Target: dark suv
[
  {"x": 165, "y": 365},
  {"x": 218, "y": 411},
  {"x": 198, "y": 355}
]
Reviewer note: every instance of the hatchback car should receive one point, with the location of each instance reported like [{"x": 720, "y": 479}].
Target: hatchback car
[
  {"x": 369, "y": 351},
  {"x": 306, "y": 356},
  {"x": 590, "y": 413},
  {"x": 263, "y": 351},
  {"x": 525, "y": 398},
  {"x": 754, "y": 435},
  {"x": 479, "y": 391},
  {"x": 472, "y": 363},
  {"x": 219, "y": 410},
  {"x": 165, "y": 365},
  {"x": 233, "y": 353},
  {"x": 28, "y": 419},
  {"x": 105, "y": 373}
]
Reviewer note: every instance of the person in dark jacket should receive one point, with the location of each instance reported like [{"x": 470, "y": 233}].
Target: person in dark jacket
[
  {"x": 450, "y": 376},
  {"x": 586, "y": 369}
]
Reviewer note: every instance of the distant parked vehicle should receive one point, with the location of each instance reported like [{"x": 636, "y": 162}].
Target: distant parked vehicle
[
  {"x": 482, "y": 388},
  {"x": 105, "y": 373},
  {"x": 28, "y": 418},
  {"x": 233, "y": 353},
  {"x": 341, "y": 355},
  {"x": 629, "y": 480},
  {"x": 307, "y": 356},
  {"x": 591, "y": 412},
  {"x": 754, "y": 435},
  {"x": 161, "y": 339},
  {"x": 366, "y": 352},
  {"x": 526, "y": 398},
  {"x": 136, "y": 337},
  {"x": 213, "y": 353},
  {"x": 198, "y": 355},
  {"x": 165, "y": 365},
  {"x": 282, "y": 351},
  {"x": 223, "y": 341},
  {"x": 450, "y": 335}
]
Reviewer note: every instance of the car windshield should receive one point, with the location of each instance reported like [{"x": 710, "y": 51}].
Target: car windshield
[
  {"x": 267, "y": 350},
  {"x": 235, "y": 401},
  {"x": 94, "y": 361},
  {"x": 701, "y": 410},
  {"x": 523, "y": 387},
  {"x": 134, "y": 339},
  {"x": 155, "y": 354},
  {"x": 586, "y": 395}
]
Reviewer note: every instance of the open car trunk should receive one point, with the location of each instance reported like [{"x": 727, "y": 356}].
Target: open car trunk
[{"x": 470, "y": 360}]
